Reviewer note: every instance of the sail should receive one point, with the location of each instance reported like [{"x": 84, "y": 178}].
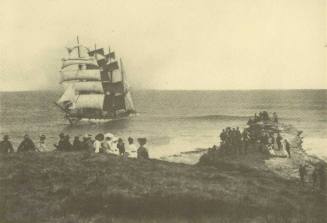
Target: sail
[
  {"x": 111, "y": 66},
  {"x": 78, "y": 51},
  {"x": 110, "y": 56},
  {"x": 101, "y": 62},
  {"x": 89, "y": 75},
  {"x": 113, "y": 103},
  {"x": 79, "y": 61},
  {"x": 113, "y": 88},
  {"x": 95, "y": 84},
  {"x": 94, "y": 101},
  {"x": 96, "y": 51},
  {"x": 66, "y": 101},
  {"x": 88, "y": 87},
  {"x": 129, "y": 105}
]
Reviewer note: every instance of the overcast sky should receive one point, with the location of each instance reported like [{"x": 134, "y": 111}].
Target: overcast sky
[{"x": 170, "y": 44}]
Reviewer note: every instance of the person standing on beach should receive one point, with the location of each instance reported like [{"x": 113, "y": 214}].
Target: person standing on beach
[
  {"x": 60, "y": 145},
  {"x": 288, "y": 148},
  {"x": 322, "y": 178},
  {"x": 121, "y": 146},
  {"x": 302, "y": 173},
  {"x": 67, "y": 146},
  {"x": 106, "y": 145},
  {"x": 314, "y": 178},
  {"x": 6, "y": 145},
  {"x": 238, "y": 139},
  {"x": 98, "y": 143},
  {"x": 142, "y": 152},
  {"x": 245, "y": 139},
  {"x": 26, "y": 145},
  {"x": 275, "y": 117},
  {"x": 77, "y": 144},
  {"x": 131, "y": 148},
  {"x": 279, "y": 141},
  {"x": 87, "y": 144},
  {"x": 41, "y": 146}
]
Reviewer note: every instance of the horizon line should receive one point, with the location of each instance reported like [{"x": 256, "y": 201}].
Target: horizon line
[{"x": 160, "y": 89}]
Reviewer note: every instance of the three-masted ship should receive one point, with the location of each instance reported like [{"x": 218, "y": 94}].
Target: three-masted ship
[{"x": 95, "y": 86}]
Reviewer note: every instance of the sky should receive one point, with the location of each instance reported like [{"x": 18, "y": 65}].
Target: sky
[{"x": 170, "y": 44}]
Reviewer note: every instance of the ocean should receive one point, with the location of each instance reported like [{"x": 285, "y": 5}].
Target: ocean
[{"x": 172, "y": 121}]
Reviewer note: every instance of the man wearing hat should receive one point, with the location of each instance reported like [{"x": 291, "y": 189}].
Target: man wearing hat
[
  {"x": 61, "y": 142},
  {"x": 142, "y": 152},
  {"x": 87, "y": 144},
  {"x": 26, "y": 145},
  {"x": 131, "y": 147},
  {"x": 41, "y": 147},
  {"x": 77, "y": 144},
  {"x": 6, "y": 146}
]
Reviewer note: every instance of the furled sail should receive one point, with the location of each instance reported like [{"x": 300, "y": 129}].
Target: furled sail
[
  {"x": 69, "y": 62},
  {"x": 88, "y": 87},
  {"x": 93, "y": 101},
  {"x": 89, "y": 75}
]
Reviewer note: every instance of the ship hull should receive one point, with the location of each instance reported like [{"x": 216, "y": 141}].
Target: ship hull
[{"x": 94, "y": 119}]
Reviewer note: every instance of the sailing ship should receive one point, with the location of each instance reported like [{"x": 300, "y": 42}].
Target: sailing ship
[{"x": 95, "y": 86}]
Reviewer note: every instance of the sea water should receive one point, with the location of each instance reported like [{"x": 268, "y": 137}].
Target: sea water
[{"x": 172, "y": 121}]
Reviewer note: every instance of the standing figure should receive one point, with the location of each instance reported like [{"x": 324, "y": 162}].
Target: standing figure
[
  {"x": 106, "y": 144},
  {"x": 26, "y": 145},
  {"x": 302, "y": 173},
  {"x": 322, "y": 178},
  {"x": 98, "y": 143},
  {"x": 60, "y": 145},
  {"x": 238, "y": 138},
  {"x": 142, "y": 152},
  {"x": 121, "y": 146},
  {"x": 67, "y": 146},
  {"x": 131, "y": 148},
  {"x": 77, "y": 144},
  {"x": 287, "y": 148},
  {"x": 245, "y": 139},
  {"x": 87, "y": 144},
  {"x": 6, "y": 145},
  {"x": 41, "y": 146},
  {"x": 275, "y": 117},
  {"x": 279, "y": 141},
  {"x": 314, "y": 178}
]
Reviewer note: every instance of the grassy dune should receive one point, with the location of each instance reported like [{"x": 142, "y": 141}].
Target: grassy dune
[{"x": 80, "y": 187}]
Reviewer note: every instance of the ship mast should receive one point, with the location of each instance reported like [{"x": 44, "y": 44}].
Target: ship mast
[
  {"x": 78, "y": 49},
  {"x": 109, "y": 60}
]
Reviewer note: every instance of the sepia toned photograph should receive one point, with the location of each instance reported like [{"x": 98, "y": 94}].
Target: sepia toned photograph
[{"x": 163, "y": 111}]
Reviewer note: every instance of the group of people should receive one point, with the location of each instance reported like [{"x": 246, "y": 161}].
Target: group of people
[
  {"x": 100, "y": 144},
  {"x": 26, "y": 145},
  {"x": 318, "y": 176},
  {"x": 233, "y": 141},
  {"x": 263, "y": 117},
  {"x": 265, "y": 137}
]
